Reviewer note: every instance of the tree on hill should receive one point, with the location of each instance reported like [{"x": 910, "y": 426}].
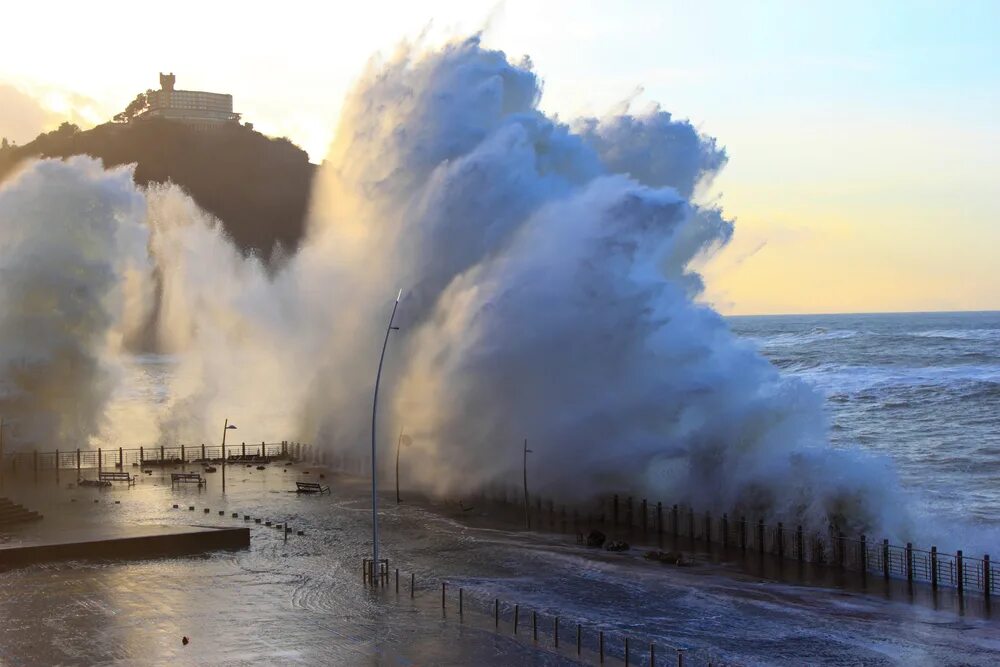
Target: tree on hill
[{"x": 134, "y": 108}]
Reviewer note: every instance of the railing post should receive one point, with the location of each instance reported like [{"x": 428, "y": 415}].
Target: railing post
[
  {"x": 243, "y": 450},
  {"x": 691, "y": 523},
  {"x": 162, "y": 456},
  {"x": 626, "y": 651},
  {"x": 555, "y": 631},
  {"x": 517, "y": 612},
  {"x": 496, "y": 613},
  {"x": 725, "y": 530},
  {"x": 743, "y": 533},
  {"x": 986, "y": 576},
  {"x": 760, "y": 535},
  {"x": 442, "y": 594},
  {"x": 675, "y": 521},
  {"x": 959, "y": 572},
  {"x": 629, "y": 520},
  {"x": 708, "y": 528},
  {"x": 909, "y": 561},
  {"x": 800, "y": 543},
  {"x": 142, "y": 457},
  {"x": 614, "y": 511},
  {"x": 35, "y": 459},
  {"x": 885, "y": 559},
  {"x": 780, "y": 539},
  {"x": 659, "y": 518},
  {"x": 579, "y": 639},
  {"x": 183, "y": 455},
  {"x": 864, "y": 556},
  {"x": 644, "y": 523},
  {"x": 600, "y": 644},
  {"x": 203, "y": 451},
  {"x": 121, "y": 458},
  {"x": 57, "y": 466},
  {"x": 534, "y": 625},
  {"x": 99, "y": 463}
]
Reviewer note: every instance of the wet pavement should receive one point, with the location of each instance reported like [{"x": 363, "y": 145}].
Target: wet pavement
[{"x": 303, "y": 601}]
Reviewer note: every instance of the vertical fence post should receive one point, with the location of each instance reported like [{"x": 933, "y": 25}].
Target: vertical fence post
[
  {"x": 708, "y": 528},
  {"x": 626, "y": 651},
  {"x": 142, "y": 457},
  {"x": 986, "y": 576},
  {"x": 799, "y": 543},
  {"x": 442, "y": 594},
  {"x": 57, "y": 466},
  {"x": 600, "y": 644},
  {"x": 691, "y": 523},
  {"x": 864, "y": 556},
  {"x": 629, "y": 522},
  {"x": 496, "y": 613},
  {"x": 680, "y": 657},
  {"x": 517, "y": 613},
  {"x": 99, "y": 457},
  {"x": 659, "y": 518},
  {"x": 644, "y": 522},
  {"x": 77, "y": 461},
  {"x": 909, "y": 561},
  {"x": 934, "y": 569},
  {"x": 121, "y": 458},
  {"x": 614, "y": 510},
  {"x": 743, "y": 533},
  {"x": 413, "y": 584},
  {"x": 779, "y": 537},
  {"x": 555, "y": 629},
  {"x": 675, "y": 520},
  {"x": 397, "y": 580},
  {"x": 203, "y": 451},
  {"x": 725, "y": 530},
  {"x": 885, "y": 559},
  {"x": 461, "y": 605},
  {"x": 35, "y": 462},
  {"x": 162, "y": 457},
  {"x": 534, "y": 625},
  {"x": 760, "y": 535},
  {"x": 652, "y": 654},
  {"x": 959, "y": 572},
  {"x": 579, "y": 639}
]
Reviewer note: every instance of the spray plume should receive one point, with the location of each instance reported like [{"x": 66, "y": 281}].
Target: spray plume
[{"x": 548, "y": 294}]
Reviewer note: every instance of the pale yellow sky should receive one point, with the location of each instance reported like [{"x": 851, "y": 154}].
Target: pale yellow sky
[{"x": 863, "y": 140}]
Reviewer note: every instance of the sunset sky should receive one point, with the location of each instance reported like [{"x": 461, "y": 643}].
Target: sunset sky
[{"x": 864, "y": 137}]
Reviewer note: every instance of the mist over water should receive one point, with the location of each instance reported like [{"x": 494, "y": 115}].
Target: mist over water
[{"x": 547, "y": 295}]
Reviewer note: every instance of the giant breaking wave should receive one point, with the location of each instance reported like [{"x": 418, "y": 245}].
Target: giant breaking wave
[{"x": 547, "y": 295}]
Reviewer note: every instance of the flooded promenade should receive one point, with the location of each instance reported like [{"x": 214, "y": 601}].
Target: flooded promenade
[{"x": 300, "y": 599}]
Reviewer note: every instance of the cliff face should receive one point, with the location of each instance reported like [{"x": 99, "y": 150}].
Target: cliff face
[{"x": 259, "y": 187}]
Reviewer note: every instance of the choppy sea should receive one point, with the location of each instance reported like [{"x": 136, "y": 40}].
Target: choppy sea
[{"x": 920, "y": 388}]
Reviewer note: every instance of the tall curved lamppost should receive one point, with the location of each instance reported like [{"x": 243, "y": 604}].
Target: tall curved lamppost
[
  {"x": 225, "y": 428},
  {"x": 378, "y": 376}
]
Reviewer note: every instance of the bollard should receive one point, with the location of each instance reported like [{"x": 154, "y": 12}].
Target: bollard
[
  {"x": 516, "y": 614},
  {"x": 909, "y": 561},
  {"x": 600, "y": 643},
  {"x": 534, "y": 625},
  {"x": 555, "y": 624},
  {"x": 934, "y": 568},
  {"x": 579, "y": 642},
  {"x": 959, "y": 572},
  {"x": 680, "y": 657},
  {"x": 496, "y": 613},
  {"x": 413, "y": 583},
  {"x": 885, "y": 559}
]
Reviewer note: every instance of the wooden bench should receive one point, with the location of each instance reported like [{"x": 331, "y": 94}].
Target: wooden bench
[
  {"x": 179, "y": 477},
  {"x": 311, "y": 487},
  {"x": 116, "y": 477}
]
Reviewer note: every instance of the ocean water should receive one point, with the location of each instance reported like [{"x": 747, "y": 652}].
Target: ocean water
[{"x": 920, "y": 388}]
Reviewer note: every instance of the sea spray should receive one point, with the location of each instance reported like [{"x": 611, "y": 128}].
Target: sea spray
[
  {"x": 548, "y": 295},
  {"x": 73, "y": 274}
]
